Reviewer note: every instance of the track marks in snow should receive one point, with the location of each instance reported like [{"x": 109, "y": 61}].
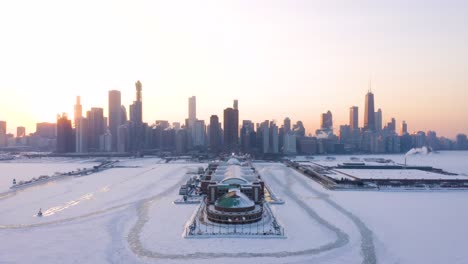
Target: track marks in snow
[
  {"x": 143, "y": 217},
  {"x": 367, "y": 243}
]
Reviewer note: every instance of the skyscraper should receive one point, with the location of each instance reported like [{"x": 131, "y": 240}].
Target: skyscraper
[
  {"x": 236, "y": 105},
  {"x": 273, "y": 137},
  {"x": 65, "y": 137},
  {"x": 231, "y": 129},
  {"x": 248, "y": 137},
  {"x": 192, "y": 102},
  {"x": 3, "y": 137},
  {"x": 3, "y": 127},
  {"x": 46, "y": 130},
  {"x": 199, "y": 133},
  {"x": 78, "y": 111},
  {"x": 81, "y": 136},
  {"x": 287, "y": 125},
  {"x": 115, "y": 116},
  {"x": 215, "y": 134},
  {"x": 136, "y": 109},
  {"x": 378, "y": 120},
  {"x": 404, "y": 128},
  {"x": 326, "y": 123},
  {"x": 354, "y": 117},
  {"x": 263, "y": 134},
  {"x": 96, "y": 127},
  {"x": 369, "y": 115}
]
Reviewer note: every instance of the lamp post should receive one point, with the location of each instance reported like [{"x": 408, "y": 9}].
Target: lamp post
[{"x": 243, "y": 220}]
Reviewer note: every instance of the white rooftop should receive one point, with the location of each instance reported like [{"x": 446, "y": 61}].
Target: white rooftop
[{"x": 396, "y": 174}]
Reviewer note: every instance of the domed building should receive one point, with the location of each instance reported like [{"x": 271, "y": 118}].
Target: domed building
[
  {"x": 234, "y": 207},
  {"x": 234, "y": 192}
]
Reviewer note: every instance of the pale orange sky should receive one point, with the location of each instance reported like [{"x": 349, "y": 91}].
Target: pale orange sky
[{"x": 278, "y": 58}]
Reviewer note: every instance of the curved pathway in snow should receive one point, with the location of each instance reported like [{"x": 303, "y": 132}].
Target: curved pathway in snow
[
  {"x": 143, "y": 217},
  {"x": 367, "y": 243}
]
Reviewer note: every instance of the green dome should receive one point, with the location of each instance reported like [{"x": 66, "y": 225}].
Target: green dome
[{"x": 234, "y": 199}]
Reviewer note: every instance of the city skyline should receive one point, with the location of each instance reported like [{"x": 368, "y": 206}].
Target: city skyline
[
  {"x": 286, "y": 60},
  {"x": 342, "y": 119}
]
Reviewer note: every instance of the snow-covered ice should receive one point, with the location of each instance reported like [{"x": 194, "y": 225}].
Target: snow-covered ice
[{"x": 127, "y": 215}]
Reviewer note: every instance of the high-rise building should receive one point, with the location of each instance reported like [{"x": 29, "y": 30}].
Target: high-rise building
[
  {"x": 326, "y": 122},
  {"x": 20, "y": 131},
  {"x": 65, "y": 136},
  {"x": 176, "y": 125},
  {"x": 78, "y": 113},
  {"x": 81, "y": 132},
  {"x": 105, "y": 142},
  {"x": 345, "y": 134},
  {"x": 404, "y": 128},
  {"x": 115, "y": 116},
  {"x": 235, "y": 105},
  {"x": 461, "y": 142},
  {"x": 299, "y": 129},
  {"x": 96, "y": 127},
  {"x": 369, "y": 114},
  {"x": 391, "y": 126},
  {"x": 199, "y": 130},
  {"x": 123, "y": 115},
  {"x": 215, "y": 134},
  {"x": 46, "y": 130},
  {"x": 3, "y": 137},
  {"x": 122, "y": 137},
  {"x": 378, "y": 120},
  {"x": 287, "y": 125},
  {"x": 289, "y": 146},
  {"x": 248, "y": 137},
  {"x": 191, "y": 121},
  {"x": 274, "y": 139},
  {"x": 192, "y": 117},
  {"x": 136, "y": 109},
  {"x": 181, "y": 141},
  {"x": 354, "y": 117},
  {"x": 231, "y": 129},
  {"x": 263, "y": 134}
]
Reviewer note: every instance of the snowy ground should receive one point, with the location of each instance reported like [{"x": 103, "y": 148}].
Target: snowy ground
[
  {"x": 26, "y": 169},
  {"x": 127, "y": 215}
]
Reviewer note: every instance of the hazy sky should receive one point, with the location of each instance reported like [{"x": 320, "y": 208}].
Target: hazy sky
[{"x": 279, "y": 58}]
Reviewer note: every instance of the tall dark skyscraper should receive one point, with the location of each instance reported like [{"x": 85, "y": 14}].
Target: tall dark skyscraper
[
  {"x": 215, "y": 134},
  {"x": 369, "y": 114},
  {"x": 354, "y": 117},
  {"x": 136, "y": 109},
  {"x": 65, "y": 136},
  {"x": 327, "y": 121},
  {"x": 96, "y": 127},
  {"x": 287, "y": 125},
  {"x": 231, "y": 129},
  {"x": 115, "y": 115}
]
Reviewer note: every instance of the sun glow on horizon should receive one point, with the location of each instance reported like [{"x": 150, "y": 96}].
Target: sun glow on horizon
[{"x": 277, "y": 58}]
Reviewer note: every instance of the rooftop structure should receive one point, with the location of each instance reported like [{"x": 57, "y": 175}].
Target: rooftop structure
[{"x": 235, "y": 192}]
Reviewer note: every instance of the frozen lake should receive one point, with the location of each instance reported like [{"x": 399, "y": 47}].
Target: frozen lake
[{"x": 127, "y": 215}]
